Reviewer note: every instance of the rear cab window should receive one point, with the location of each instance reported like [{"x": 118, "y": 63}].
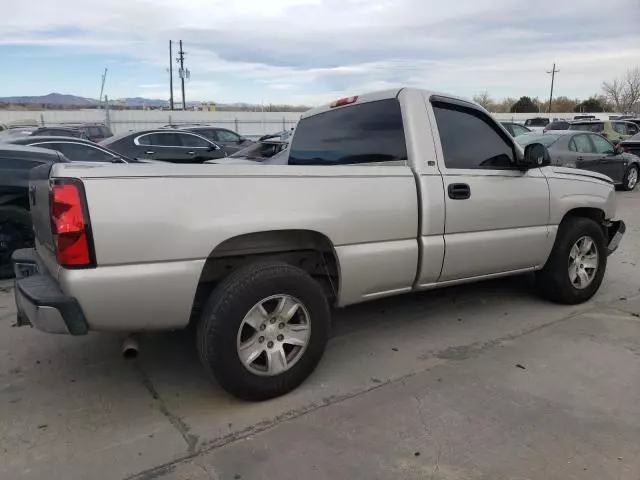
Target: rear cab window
[{"x": 369, "y": 132}]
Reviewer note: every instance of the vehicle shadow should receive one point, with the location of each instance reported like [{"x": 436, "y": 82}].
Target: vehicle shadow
[{"x": 169, "y": 356}]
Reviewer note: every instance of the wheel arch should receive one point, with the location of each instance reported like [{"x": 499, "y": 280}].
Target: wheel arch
[{"x": 310, "y": 250}]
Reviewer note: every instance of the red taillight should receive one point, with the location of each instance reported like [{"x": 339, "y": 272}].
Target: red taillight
[
  {"x": 625, "y": 148},
  {"x": 69, "y": 226},
  {"x": 344, "y": 101}
]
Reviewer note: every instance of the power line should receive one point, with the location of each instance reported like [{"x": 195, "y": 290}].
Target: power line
[{"x": 553, "y": 76}]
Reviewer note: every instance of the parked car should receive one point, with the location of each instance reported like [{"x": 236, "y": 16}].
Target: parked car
[
  {"x": 557, "y": 125},
  {"x": 631, "y": 145},
  {"x": 175, "y": 146},
  {"x": 589, "y": 151},
  {"x": 16, "y": 132},
  {"x": 15, "y": 221},
  {"x": 91, "y": 131},
  {"x": 515, "y": 129},
  {"x": 75, "y": 149},
  {"x": 256, "y": 255},
  {"x": 613, "y": 130},
  {"x": 536, "y": 124},
  {"x": 230, "y": 141}
]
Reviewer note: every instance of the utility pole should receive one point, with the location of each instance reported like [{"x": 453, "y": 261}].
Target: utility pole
[
  {"x": 183, "y": 74},
  {"x": 170, "y": 76},
  {"x": 553, "y": 76},
  {"x": 104, "y": 78}
]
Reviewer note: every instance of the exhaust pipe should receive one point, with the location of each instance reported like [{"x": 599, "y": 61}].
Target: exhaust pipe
[{"x": 130, "y": 348}]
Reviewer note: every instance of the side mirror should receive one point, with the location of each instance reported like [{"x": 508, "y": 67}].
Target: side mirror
[
  {"x": 617, "y": 150},
  {"x": 535, "y": 156},
  {"x": 241, "y": 140},
  {"x": 213, "y": 147}
]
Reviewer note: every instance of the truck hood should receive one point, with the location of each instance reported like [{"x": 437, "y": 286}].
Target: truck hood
[{"x": 577, "y": 172}]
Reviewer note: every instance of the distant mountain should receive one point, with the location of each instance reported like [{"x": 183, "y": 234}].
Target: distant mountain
[
  {"x": 52, "y": 99},
  {"x": 140, "y": 102},
  {"x": 75, "y": 101}
]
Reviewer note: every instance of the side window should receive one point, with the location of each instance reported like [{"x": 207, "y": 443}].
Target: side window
[
  {"x": 581, "y": 144},
  {"x": 227, "y": 136},
  {"x": 601, "y": 145},
  {"x": 207, "y": 133},
  {"x": 362, "y": 133},
  {"x": 470, "y": 140},
  {"x": 188, "y": 140},
  {"x": 619, "y": 127},
  {"x": 164, "y": 139}
]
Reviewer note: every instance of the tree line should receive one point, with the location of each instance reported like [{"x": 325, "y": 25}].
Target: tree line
[{"x": 621, "y": 95}]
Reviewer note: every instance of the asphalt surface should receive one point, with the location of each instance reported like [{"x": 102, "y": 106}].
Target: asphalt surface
[{"x": 484, "y": 381}]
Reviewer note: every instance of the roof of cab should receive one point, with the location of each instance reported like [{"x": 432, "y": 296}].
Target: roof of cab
[{"x": 383, "y": 95}]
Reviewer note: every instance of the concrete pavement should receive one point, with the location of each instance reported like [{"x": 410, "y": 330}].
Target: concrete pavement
[{"x": 476, "y": 382}]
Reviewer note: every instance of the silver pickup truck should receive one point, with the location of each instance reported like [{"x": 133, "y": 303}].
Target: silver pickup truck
[{"x": 383, "y": 194}]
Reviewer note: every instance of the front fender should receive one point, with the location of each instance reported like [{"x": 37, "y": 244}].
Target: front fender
[{"x": 571, "y": 194}]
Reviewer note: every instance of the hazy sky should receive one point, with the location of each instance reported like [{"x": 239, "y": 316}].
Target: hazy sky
[{"x": 312, "y": 51}]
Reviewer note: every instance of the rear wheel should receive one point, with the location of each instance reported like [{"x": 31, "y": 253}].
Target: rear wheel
[
  {"x": 575, "y": 269},
  {"x": 630, "y": 179},
  {"x": 15, "y": 233},
  {"x": 264, "y": 330}
]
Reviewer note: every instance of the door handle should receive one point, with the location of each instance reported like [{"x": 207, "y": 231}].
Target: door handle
[
  {"x": 191, "y": 152},
  {"x": 580, "y": 158},
  {"x": 149, "y": 152},
  {"x": 459, "y": 191}
]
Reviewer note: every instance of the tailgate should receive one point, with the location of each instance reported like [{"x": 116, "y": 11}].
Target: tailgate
[{"x": 40, "y": 215}]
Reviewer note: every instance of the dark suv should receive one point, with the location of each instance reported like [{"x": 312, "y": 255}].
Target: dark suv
[
  {"x": 15, "y": 222},
  {"x": 95, "y": 132}
]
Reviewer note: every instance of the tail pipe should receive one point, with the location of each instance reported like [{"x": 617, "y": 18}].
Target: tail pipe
[{"x": 130, "y": 348}]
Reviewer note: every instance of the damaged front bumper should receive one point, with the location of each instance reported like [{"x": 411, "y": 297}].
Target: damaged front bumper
[{"x": 615, "y": 231}]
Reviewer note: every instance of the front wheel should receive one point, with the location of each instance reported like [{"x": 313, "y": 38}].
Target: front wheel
[
  {"x": 630, "y": 179},
  {"x": 575, "y": 269},
  {"x": 264, "y": 330}
]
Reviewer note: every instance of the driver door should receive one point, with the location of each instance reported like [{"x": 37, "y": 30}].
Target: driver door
[
  {"x": 586, "y": 157},
  {"x": 496, "y": 216},
  {"x": 609, "y": 163}
]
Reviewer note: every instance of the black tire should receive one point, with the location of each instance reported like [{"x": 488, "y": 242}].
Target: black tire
[
  {"x": 15, "y": 233},
  {"x": 625, "y": 180},
  {"x": 223, "y": 315},
  {"x": 553, "y": 280}
]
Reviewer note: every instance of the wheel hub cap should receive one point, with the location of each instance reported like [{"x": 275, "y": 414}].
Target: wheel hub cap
[
  {"x": 583, "y": 262},
  {"x": 633, "y": 178},
  {"x": 273, "y": 335}
]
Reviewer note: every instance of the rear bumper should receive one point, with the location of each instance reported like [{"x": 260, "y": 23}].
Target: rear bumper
[
  {"x": 615, "y": 230},
  {"x": 40, "y": 301}
]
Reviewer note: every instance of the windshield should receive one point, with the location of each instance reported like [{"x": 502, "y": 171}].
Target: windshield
[{"x": 547, "y": 140}]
